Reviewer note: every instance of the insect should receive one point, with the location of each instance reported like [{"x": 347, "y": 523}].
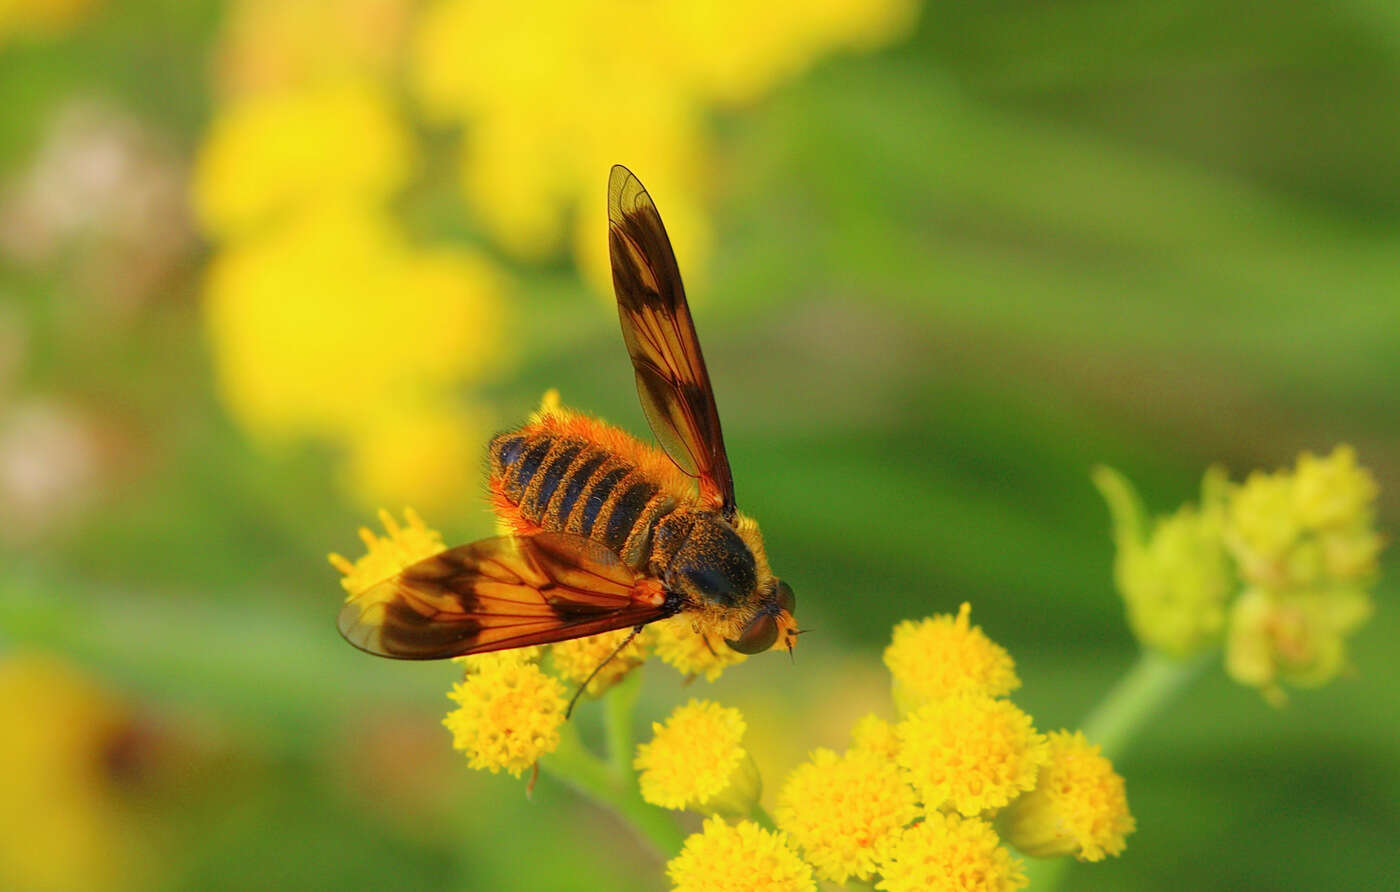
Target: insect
[{"x": 607, "y": 532}]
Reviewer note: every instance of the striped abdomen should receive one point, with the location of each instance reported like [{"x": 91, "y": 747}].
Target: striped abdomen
[{"x": 570, "y": 484}]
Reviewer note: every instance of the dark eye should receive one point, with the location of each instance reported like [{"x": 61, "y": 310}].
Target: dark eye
[
  {"x": 758, "y": 635},
  {"x": 786, "y": 599}
]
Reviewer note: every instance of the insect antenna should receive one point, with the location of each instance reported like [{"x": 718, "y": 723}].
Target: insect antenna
[{"x": 599, "y": 668}]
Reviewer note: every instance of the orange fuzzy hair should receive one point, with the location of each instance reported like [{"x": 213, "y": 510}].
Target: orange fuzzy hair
[{"x": 553, "y": 419}]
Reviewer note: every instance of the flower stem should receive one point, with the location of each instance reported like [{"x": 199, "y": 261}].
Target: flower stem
[
  {"x": 579, "y": 768},
  {"x": 618, "y": 707},
  {"x": 1145, "y": 690}
]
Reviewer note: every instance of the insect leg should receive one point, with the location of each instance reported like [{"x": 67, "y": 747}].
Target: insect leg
[{"x": 599, "y": 668}]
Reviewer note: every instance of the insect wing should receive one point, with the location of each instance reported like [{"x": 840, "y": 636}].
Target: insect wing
[
  {"x": 495, "y": 594},
  {"x": 672, "y": 381}
]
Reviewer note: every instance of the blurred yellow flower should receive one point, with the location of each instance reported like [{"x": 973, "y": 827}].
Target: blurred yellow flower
[
  {"x": 844, "y": 811},
  {"x": 552, "y": 97},
  {"x": 508, "y": 715},
  {"x": 696, "y": 761},
  {"x": 945, "y": 656},
  {"x": 1175, "y": 582},
  {"x": 62, "y": 824},
  {"x": 970, "y": 753},
  {"x": 741, "y": 857},
  {"x": 402, "y": 545},
  {"x": 949, "y": 853},
  {"x": 575, "y": 660},
  {"x": 1297, "y": 637},
  {"x": 873, "y": 734},
  {"x": 1079, "y": 806},
  {"x": 270, "y": 45},
  {"x": 332, "y": 327},
  {"x": 267, "y": 156},
  {"x": 1306, "y": 527},
  {"x": 677, "y": 643}
]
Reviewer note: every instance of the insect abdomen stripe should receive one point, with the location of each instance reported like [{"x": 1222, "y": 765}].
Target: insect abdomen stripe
[
  {"x": 535, "y": 502},
  {"x": 626, "y": 509},
  {"x": 574, "y": 483},
  {"x": 597, "y": 496}
]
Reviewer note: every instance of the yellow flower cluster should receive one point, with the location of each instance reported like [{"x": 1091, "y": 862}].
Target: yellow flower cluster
[
  {"x": 1295, "y": 549},
  {"x": 913, "y": 804},
  {"x": 740, "y": 857},
  {"x": 64, "y": 823},
  {"x": 553, "y": 92},
  {"x": 327, "y": 321},
  {"x": 508, "y": 715},
  {"x": 696, "y": 761}
]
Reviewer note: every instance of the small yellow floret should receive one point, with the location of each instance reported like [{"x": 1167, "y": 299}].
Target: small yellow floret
[
  {"x": 577, "y": 659},
  {"x": 738, "y": 858},
  {"x": 1175, "y": 579},
  {"x": 970, "y": 753},
  {"x": 500, "y": 659},
  {"x": 944, "y": 656},
  {"x": 873, "y": 734},
  {"x": 1079, "y": 806},
  {"x": 695, "y": 761},
  {"x": 386, "y": 555},
  {"x": 691, "y": 652},
  {"x": 507, "y": 717},
  {"x": 948, "y": 853},
  {"x": 1297, "y": 636},
  {"x": 843, "y": 811},
  {"x": 1334, "y": 491}
]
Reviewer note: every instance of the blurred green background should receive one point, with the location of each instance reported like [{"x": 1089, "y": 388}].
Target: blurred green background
[{"x": 943, "y": 270}]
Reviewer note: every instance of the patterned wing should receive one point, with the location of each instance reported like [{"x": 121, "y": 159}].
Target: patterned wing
[
  {"x": 500, "y": 593},
  {"x": 672, "y": 381}
]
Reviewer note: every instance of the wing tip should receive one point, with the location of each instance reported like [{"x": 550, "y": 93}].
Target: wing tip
[{"x": 623, "y": 191}]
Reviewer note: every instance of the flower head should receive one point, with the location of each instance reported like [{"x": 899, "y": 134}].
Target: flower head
[
  {"x": 386, "y": 555},
  {"x": 1297, "y": 636},
  {"x": 740, "y": 857},
  {"x": 267, "y": 155},
  {"x": 949, "y": 853},
  {"x": 507, "y": 716},
  {"x": 576, "y": 660},
  {"x": 1078, "y": 807},
  {"x": 1175, "y": 580},
  {"x": 873, "y": 734},
  {"x": 945, "y": 656},
  {"x": 970, "y": 753},
  {"x": 678, "y": 643},
  {"x": 695, "y": 760},
  {"x": 843, "y": 811},
  {"x": 1307, "y": 527},
  {"x": 500, "y": 659}
]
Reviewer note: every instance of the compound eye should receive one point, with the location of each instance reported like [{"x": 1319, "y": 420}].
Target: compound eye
[
  {"x": 786, "y": 599},
  {"x": 759, "y": 635}
]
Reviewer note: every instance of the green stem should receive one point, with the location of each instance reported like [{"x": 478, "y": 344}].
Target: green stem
[
  {"x": 1152, "y": 683},
  {"x": 1147, "y": 688},
  {"x": 579, "y": 768},
  {"x": 760, "y": 816},
  {"x": 618, "y": 706}
]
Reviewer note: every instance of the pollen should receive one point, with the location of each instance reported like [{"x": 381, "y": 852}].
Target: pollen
[
  {"x": 695, "y": 760},
  {"x": 739, "y": 857},
  {"x": 508, "y": 715},
  {"x": 944, "y": 656},
  {"x": 577, "y": 659},
  {"x": 844, "y": 811},
  {"x": 1079, "y": 806},
  {"x": 399, "y": 547},
  {"x": 949, "y": 853},
  {"x": 970, "y": 753},
  {"x": 692, "y": 651}
]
